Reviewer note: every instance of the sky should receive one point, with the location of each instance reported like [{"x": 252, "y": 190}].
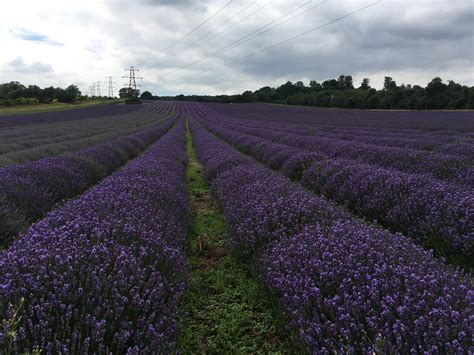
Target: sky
[{"x": 227, "y": 47}]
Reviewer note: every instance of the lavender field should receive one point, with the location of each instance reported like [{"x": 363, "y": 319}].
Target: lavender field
[{"x": 183, "y": 227}]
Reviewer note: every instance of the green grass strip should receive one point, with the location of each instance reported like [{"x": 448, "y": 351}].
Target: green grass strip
[{"x": 226, "y": 311}]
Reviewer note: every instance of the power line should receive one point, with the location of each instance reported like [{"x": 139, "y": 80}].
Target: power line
[
  {"x": 254, "y": 34},
  {"x": 216, "y": 28},
  {"x": 243, "y": 19},
  {"x": 185, "y": 49},
  {"x": 198, "y": 26},
  {"x": 291, "y": 38},
  {"x": 251, "y": 35}
]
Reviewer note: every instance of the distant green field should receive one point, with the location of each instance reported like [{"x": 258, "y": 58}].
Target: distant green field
[{"x": 56, "y": 106}]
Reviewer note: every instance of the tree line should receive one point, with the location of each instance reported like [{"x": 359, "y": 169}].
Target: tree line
[
  {"x": 340, "y": 92},
  {"x": 15, "y": 93}
]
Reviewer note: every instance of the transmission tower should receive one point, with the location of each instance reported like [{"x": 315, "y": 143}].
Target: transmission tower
[
  {"x": 92, "y": 90},
  {"x": 98, "y": 89},
  {"x": 110, "y": 84},
  {"x": 132, "y": 79}
]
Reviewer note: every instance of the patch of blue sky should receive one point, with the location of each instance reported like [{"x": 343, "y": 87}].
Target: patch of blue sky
[{"x": 33, "y": 36}]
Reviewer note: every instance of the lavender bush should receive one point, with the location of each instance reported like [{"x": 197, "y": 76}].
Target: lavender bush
[
  {"x": 29, "y": 190},
  {"x": 457, "y": 169},
  {"x": 442, "y": 141},
  {"x": 410, "y": 121},
  {"x": 68, "y": 115},
  {"x": 346, "y": 286},
  {"x": 436, "y": 214},
  {"x": 105, "y": 272},
  {"x": 21, "y": 144}
]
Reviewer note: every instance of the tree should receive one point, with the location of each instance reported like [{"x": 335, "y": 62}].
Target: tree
[
  {"x": 247, "y": 96},
  {"x": 127, "y": 92},
  {"x": 12, "y": 90},
  {"x": 287, "y": 90},
  {"x": 64, "y": 96},
  {"x": 348, "y": 82},
  {"x": 314, "y": 85},
  {"x": 435, "y": 93},
  {"x": 436, "y": 87},
  {"x": 345, "y": 82},
  {"x": 123, "y": 93},
  {"x": 49, "y": 94},
  {"x": 146, "y": 95},
  {"x": 299, "y": 84},
  {"x": 33, "y": 91},
  {"x": 265, "y": 94},
  {"x": 331, "y": 84},
  {"x": 68, "y": 95},
  {"x": 389, "y": 83},
  {"x": 340, "y": 82},
  {"x": 73, "y": 90},
  {"x": 365, "y": 84},
  {"x": 373, "y": 102}
]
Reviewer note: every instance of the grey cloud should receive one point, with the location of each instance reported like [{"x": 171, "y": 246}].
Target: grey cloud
[
  {"x": 146, "y": 5},
  {"x": 18, "y": 65},
  {"x": 450, "y": 25},
  {"x": 174, "y": 3},
  {"x": 375, "y": 44},
  {"x": 414, "y": 39}
]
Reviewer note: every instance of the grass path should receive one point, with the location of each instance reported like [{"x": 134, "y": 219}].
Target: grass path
[{"x": 226, "y": 309}]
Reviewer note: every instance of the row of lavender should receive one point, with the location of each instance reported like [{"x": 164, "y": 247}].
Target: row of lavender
[
  {"x": 452, "y": 143},
  {"x": 68, "y": 115},
  {"x": 28, "y": 191},
  {"x": 347, "y": 287},
  {"x": 35, "y": 141},
  {"x": 453, "y": 168},
  {"x": 438, "y": 137},
  {"x": 104, "y": 273},
  {"x": 405, "y": 121},
  {"x": 57, "y": 132},
  {"x": 460, "y": 146},
  {"x": 435, "y": 214}
]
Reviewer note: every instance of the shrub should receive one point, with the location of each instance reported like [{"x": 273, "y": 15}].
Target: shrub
[{"x": 133, "y": 100}]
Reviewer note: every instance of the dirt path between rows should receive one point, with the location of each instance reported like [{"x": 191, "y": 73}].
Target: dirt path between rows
[{"x": 225, "y": 308}]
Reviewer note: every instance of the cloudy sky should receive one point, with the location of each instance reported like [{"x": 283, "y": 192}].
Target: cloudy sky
[{"x": 220, "y": 46}]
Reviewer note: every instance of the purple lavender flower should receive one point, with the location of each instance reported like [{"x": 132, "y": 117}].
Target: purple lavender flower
[
  {"x": 345, "y": 285},
  {"x": 106, "y": 271},
  {"x": 28, "y": 191},
  {"x": 435, "y": 213}
]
